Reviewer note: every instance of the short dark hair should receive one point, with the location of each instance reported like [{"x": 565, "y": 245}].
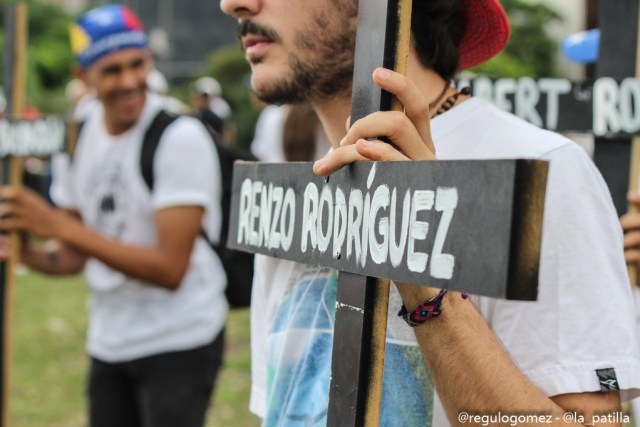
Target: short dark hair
[{"x": 438, "y": 27}]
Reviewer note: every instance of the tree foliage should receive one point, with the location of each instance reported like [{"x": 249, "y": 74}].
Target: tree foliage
[
  {"x": 228, "y": 65},
  {"x": 50, "y": 59}
]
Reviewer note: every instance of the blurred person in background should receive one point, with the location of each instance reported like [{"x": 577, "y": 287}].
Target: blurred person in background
[
  {"x": 157, "y": 83},
  {"x": 291, "y": 133},
  {"x": 267, "y": 137},
  {"x": 157, "y": 307},
  {"x": 210, "y": 92},
  {"x": 208, "y": 105}
]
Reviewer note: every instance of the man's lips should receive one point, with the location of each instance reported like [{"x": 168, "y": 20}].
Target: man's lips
[
  {"x": 128, "y": 99},
  {"x": 253, "y": 44}
]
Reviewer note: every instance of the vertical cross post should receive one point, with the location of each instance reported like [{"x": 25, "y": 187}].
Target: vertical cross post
[
  {"x": 382, "y": 39},
  {"x": 15, "y": 74}
]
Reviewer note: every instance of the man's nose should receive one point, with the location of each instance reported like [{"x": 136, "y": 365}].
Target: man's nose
[
  {"x": 131, "y": 79},
  {"x": 241, "y": 8}
]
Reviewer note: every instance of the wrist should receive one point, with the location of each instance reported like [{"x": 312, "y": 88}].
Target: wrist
[
  {"x": 64, "y": 227},
  {"x": 416, "y": 313},
  {"x": 414, "y": 295}
]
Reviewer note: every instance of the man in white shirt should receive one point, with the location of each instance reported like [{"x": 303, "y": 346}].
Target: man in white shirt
[
  {"x": 157, "y": 307},
  {"x": 574, "y": 351}
]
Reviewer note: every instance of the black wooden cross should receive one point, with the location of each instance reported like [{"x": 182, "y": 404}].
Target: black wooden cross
[{"x": 415, "y": 222}]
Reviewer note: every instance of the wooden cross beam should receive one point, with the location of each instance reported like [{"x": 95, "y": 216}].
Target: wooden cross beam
[{"x": 415, "y": 222}]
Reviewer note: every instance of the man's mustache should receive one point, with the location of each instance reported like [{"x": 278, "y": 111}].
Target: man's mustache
[{"x": 249, "y": 27}]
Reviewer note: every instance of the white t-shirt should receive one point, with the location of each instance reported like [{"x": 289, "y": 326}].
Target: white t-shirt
[
  {"x": 635, "y": 404},
  {"x": 267, "y": 140},
  {"x": 583, "y": 320},
  {"x": 130, "y": 319}
]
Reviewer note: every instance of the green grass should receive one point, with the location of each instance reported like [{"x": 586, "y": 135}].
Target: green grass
[{"x": 49, "y": 359}]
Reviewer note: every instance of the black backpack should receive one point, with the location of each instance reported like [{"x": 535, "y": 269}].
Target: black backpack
[{"x": 238, "y": 265}]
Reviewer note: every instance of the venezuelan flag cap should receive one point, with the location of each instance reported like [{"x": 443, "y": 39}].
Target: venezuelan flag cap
[{"x": 105, "y": 30}]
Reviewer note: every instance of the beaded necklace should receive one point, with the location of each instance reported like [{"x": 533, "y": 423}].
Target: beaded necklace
[{"x": 449, "y": 102}]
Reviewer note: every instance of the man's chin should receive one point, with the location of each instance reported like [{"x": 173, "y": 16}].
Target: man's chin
[
  {"x": 277, "y": 90},
  {"x": 280, "y": 95}
]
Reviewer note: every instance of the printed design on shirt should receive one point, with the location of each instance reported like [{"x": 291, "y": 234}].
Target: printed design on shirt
[
  {"x": 299, "y": 362},
  {"x": 608, "y": 379},
  {"x": 108, "y": 199},
  {"x": 408, "y": 393}
]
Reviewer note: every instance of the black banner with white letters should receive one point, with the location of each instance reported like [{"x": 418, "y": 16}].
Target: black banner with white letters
[
  {"x": 604, "y": 107},
  {"x": 42, "y": 137},
  {"x": 446, "y": 224}
]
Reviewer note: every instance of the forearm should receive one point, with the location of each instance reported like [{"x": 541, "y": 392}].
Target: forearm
[
  {"x": 145, "y": 263},
  {"x": 52, "y": 258},
  {"x": 163, "y": 265},
  {"x": 471, "y": 371}
]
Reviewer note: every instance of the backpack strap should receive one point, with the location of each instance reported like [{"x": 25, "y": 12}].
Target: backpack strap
[
  {"x": 150, "y": 144},
  {"x": 73, "y": 130},
  {"x": 238, "y": 266}
]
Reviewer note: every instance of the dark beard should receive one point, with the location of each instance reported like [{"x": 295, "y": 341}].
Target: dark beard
[
  {"x": 326, "y": 74},
  {"x": 308, "y": 83}
]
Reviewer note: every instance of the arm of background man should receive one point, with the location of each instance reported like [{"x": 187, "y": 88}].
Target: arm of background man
[
  {"x": 163, "y": 265},
  {"x": 473, "y": 374},
  {"x": 53, "y": 257}
]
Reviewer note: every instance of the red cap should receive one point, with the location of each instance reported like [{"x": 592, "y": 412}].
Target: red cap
[{"x": 487, "y": 32}]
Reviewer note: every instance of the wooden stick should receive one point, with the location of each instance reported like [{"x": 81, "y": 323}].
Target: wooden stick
[
  {"x": 634, "y": 175},
  {"x": 17, "y": 103},
  {"x": 402, "y": 45},
  {"x": 634, "y": 168}
]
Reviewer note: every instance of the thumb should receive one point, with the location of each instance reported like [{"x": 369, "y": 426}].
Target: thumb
[{"x": 634, "y": 199}]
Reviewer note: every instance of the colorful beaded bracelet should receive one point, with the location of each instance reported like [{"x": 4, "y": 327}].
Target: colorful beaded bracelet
[{"x": 425, "y": 311}]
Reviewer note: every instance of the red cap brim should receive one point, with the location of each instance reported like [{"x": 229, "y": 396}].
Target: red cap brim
[{"x": 487, "y": 32}]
